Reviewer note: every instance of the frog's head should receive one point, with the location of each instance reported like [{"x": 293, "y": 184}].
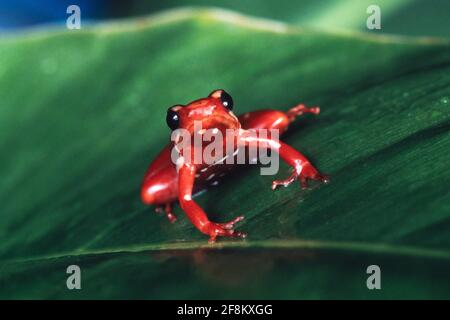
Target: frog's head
[{"x": 214, "y": 111}]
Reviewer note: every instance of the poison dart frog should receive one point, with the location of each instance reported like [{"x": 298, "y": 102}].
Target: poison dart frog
[{"x": 166, "y": 182}]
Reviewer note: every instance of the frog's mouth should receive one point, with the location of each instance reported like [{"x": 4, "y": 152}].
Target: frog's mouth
[{"x": 218, "y": 122}]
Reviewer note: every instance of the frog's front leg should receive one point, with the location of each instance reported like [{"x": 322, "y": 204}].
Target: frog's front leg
[
  {"x": 302, "y": 168},
  {"x": 186, "y": 178}
]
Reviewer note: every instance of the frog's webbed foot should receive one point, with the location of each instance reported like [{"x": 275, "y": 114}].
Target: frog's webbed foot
[
  {"x": 168, "y": 210},
  {"x": 308, "y": 172},
  {"x": 224, "y": 230}
]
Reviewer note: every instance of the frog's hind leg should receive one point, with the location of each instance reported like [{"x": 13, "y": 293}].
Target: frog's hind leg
[
  {"x": 300, "y": 109},
  {"x": 168, "y": 210},
  {"x": 274, "y": 119}
]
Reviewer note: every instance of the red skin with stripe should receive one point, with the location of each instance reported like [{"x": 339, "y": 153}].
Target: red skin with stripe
[{"x": 163, "y": 184}]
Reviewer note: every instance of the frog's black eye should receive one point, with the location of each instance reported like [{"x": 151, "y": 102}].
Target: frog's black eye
[
  {"x": 173, "y": 120},
  {"x": 227, "y": 100}
]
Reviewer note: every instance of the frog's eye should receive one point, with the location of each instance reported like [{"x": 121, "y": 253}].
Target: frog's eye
[
  {"x": 227, "y": 100},
  {"x": 173, "y": 120}
]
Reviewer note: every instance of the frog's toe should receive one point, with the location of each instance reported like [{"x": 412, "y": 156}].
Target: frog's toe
[
  {"x": 225, "y": 230},
  {"x": 284, "y": 182},
  {"x": 317, "y": 176},
  {"x": 230, "y": 225},
  {"x": 168, "y": 210}
]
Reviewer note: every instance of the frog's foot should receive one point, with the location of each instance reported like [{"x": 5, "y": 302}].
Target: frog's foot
[
  {"x": 300, "y": 109},
  {"x": 308, "y": 172},
  {"x": 168, "y": 210},
  {"x": 284, "y": 182},
  {"x": 223, "y": 230},
  {"x": 318, "y": 176}
]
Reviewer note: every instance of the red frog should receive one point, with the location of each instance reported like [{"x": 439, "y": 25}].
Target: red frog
[{"x": 165, "y": 182}]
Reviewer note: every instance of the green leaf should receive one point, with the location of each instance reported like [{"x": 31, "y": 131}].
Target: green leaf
[
  {"x": 406, "y": 17},
  {"x": 83, "y": 114}
]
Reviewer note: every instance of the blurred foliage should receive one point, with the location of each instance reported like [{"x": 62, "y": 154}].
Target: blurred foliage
[
  {"x": 83, "y": 115},
  {"x": 405, "y": 17}
]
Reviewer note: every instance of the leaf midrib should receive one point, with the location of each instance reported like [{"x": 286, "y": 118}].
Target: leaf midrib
[{"x": 343, "y": 246}]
